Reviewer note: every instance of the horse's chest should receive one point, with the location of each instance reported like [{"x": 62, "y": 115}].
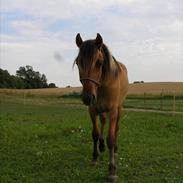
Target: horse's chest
[{"x": 102, "y": 104}]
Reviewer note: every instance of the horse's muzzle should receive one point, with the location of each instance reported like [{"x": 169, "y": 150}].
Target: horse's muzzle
[{"x": 88, "y": 99}]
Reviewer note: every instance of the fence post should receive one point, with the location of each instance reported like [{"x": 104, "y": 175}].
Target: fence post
[
  {"x": 24, "y": 96},
  {"x": 174, "y": 102},
  {"x": 144, "y": 100},
  {"x": 161, "y": 100}
]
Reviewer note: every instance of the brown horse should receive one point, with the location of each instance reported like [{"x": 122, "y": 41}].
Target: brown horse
[{"x": 105, "y": 84}]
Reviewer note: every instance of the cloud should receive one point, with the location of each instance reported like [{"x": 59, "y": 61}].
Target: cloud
[
  {"x": 41, "y": 55},
  {"x": 26, "y": 28},
  {"x": 141, "y": 34}
]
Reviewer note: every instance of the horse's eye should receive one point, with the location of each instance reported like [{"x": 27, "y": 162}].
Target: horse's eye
[{"x": 98, "y": 64}]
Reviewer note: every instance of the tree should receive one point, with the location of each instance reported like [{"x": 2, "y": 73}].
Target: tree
[
  {"x": 44, "y": 81},
  {"x": 4, "y": 77},
  {"x": 25, "y": 77},
  {"x": 31, "y": 78},
  {"x": 51, "y": 85},
  {"x": 9, "y": 81}
]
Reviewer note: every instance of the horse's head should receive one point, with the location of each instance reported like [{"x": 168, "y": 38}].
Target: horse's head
[{"x": 90, "y": 61}]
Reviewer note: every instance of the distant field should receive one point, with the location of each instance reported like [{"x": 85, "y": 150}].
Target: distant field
[
  {"x": 134, "y": 89},
  {"x": 42, "y": 92},
  {"x": 156, "y": 88}
]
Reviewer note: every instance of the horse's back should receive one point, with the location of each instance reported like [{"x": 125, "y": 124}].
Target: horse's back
[{"x": 123, "y": 67}]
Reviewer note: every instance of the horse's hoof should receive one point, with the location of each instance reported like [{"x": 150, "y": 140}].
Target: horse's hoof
[
  {"x": 112, "y": 178},
  {"x": 94, "y": 163}
]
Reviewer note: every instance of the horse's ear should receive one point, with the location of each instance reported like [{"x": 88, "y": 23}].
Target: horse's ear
[
  {"x": 99, "y": 41},
  {"x": 79, "y": 40}
]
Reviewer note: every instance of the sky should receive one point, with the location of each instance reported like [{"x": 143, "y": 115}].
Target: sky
[{"x": 145, "y": 35}]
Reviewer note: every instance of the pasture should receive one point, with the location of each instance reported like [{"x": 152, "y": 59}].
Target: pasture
[{"x": 47, "y": 139}]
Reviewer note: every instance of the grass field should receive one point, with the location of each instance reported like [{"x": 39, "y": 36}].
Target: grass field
[{"x": 48, "y": 140}]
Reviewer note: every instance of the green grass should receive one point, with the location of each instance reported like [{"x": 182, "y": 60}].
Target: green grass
[{"x": 48, "y": 140}]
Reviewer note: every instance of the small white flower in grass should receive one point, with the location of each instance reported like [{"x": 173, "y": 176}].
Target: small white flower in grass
[
  {"x": 125, "y": 116},
  {"x": 36, "y": 136},
  {"x": 39, "y": 153}
]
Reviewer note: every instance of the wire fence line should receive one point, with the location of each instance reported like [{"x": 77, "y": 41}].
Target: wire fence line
[{"x": 162, "y": 102}]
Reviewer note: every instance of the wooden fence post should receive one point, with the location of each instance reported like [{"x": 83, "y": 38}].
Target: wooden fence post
[
  {"x": 24, "y": 96},
  {"x": 161, "y": 100},
  {"x": 144, "y": 100},
  {"x": 174, "y": 102}
]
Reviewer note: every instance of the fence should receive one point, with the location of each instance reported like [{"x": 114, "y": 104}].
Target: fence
[{"x": 163, "y": 102}]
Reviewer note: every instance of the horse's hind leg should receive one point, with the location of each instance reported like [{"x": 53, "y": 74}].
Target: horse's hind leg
[
  {"x": 101, "y": 138},
  {"x": 95, "y": 133}
]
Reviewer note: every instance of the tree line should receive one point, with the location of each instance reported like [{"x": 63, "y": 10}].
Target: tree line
[{"x": 25, "y": 78}]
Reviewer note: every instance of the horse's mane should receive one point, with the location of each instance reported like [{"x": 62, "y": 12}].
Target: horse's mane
[
  {"x": 87, "y": 52},
  {"x": 111, "y": 66}
]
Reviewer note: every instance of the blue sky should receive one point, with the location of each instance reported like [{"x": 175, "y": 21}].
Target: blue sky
[{"x": 146, "y": 35}]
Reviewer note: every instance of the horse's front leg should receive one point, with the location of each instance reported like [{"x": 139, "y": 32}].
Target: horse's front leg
[
  {"x": 95, "y": 133},
  {"x": 113, "y": 116},
  {"x": 101, "y": 138}
]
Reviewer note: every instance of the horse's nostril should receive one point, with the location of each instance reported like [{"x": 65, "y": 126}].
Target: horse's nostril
[
  {"x": 93, "y": 98},
  {"x": 88, "y": 98}
]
